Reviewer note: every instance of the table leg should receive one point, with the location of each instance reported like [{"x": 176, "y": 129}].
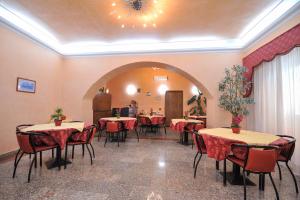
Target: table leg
[
  {"x": 57, "y": 161},
  {"x": 235, "y": 177},
  {"x": 262, "y": 182},
  {"x": 186, "y": 138}
]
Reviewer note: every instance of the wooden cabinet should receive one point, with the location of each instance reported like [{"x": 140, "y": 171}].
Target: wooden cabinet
[{"x": 101, "y": 106}]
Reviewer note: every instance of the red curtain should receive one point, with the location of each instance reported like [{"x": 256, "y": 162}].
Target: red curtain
[{"x": 280, "y": 45}]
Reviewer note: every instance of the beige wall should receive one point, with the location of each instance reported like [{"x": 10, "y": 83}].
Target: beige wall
[
  {"x": 82, "y": 73},
  {"x": 143, "y": 78},
  {"x": 21, "y": 57}
]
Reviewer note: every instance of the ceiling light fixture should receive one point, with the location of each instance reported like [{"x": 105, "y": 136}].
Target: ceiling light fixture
[{"x": 132, "y": 12}]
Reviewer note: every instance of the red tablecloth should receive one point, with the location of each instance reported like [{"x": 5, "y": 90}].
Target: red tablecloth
[
  {"x": 219, "y": 148},
  {"x": 179, "y": 126},
  {"x": 129, "y": 124},
  {"x": 60, "y": 136}
]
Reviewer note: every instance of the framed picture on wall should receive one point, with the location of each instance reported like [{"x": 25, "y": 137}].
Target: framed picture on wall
[{"x": 26, "y": 85}]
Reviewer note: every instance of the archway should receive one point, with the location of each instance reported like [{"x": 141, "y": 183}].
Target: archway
[{"x": 93, "y": 89}]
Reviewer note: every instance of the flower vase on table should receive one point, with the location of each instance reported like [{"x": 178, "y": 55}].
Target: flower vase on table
[{"x": 235, "y": 125}]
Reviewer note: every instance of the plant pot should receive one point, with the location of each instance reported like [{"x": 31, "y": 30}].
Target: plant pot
[
  {"x": 236, "y": 130},
  {"x": 57, "y": 122}
]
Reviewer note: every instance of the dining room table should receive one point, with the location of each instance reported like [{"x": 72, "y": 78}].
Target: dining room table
[
  {"x": 218, "y": 143},
  {"x": 59, "y": 134},
  {"x": 179, "y": 125}
]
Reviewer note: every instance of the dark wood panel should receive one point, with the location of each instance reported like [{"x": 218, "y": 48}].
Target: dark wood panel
[
  {"x": 102, "y": 102},
  {"x": 173, "y": 105},
  {"x": 100, "y": 114},
  {"x": 101, "y": 106}
]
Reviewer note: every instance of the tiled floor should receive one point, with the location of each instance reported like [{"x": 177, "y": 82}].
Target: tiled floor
[{"x": 150, "y": 170}]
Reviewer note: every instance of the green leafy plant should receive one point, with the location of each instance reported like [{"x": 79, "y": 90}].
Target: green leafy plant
[
  {"x": 58, "y": 114},
  {"x": 233, "y": 88},
  {"x": 196, "y": 101}
]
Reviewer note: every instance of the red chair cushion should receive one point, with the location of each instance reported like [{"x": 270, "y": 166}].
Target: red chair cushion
[
  {"x": 261, "y": 160},
  {"x": 112, "y": 127}
]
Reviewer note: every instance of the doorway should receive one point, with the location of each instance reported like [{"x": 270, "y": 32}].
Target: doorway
[{"x": 173, "y": 105}]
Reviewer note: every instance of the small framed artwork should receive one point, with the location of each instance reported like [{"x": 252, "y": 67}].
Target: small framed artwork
[{"x": 26, "y": 85}]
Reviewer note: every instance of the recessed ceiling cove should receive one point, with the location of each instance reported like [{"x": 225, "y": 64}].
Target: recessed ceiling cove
[{"x": 108, "y": 26}]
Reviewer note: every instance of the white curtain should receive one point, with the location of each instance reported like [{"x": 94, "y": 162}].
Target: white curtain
[{"x": 277, "y": 99}]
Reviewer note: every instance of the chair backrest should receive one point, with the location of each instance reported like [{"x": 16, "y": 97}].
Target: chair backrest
[
  {"x": 25, "y": 142},
  {"x": 259, "y": 159},
  {"x": 91, "y": 133},
  {"x": 199, "y": 142},
  {"x": 198, "y": 127},
  {"x": 114, "y": 111},
  {"x": 20, "y": 127},
  {"x": 287, "y": 149},
  {"x": 190, "y": 127},
  {"x": 124, "y": 112},
  {"x": 112, "y": 127}
]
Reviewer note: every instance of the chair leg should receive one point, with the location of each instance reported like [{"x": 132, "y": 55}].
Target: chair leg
[
  {"x": 244, "y": 181},
  {"x": 274, "y": 186},
  {"x": 17, "y": 156},
  {"x": 118, "y": 136},
  {"x": 73, "y": 149},
  {"x": 35, "y": 160},
  {"x": 52, "y": 153},
  {"x": 137, "y": 135},
  {"x": 105, "y": 139},
  {"x": 29, "y": 173},
  {"x": 195, "y": 170},
  {"x": 217, "y": 165},
  {"x": 83, "y": 150},
  {"x": 225, "y": 175},
  {"x": 66, "y": 156},
  {"x": 41, "y": 159},
  {"x": 295, "y": 181},
  {"x": 90, "y": 153},
  {"x": 195, "y": 159},
  {"x": 93, "y": 150},
  {"x": 29, "y": 156},
  {"x": 99, "y": 135},
  {"x": 16, "y": 164},
  {"x": 165, "y": 130},
  {"x": 280, "y": 177}
]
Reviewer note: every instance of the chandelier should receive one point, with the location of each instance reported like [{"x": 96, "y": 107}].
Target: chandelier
[{"x": 137, "y": 13}]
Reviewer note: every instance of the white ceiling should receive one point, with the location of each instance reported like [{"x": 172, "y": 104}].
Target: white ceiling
[{"x": 78, "y": 27}]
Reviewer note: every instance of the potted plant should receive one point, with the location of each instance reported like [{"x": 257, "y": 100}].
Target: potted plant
[
  {"x": 233, "y": 88},
  {"x": 58, "y": 116},
  {"x": 196, "y": 101}
]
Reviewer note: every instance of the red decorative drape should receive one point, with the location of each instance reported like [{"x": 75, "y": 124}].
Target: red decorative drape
[{"x": 280, "y": 45}]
